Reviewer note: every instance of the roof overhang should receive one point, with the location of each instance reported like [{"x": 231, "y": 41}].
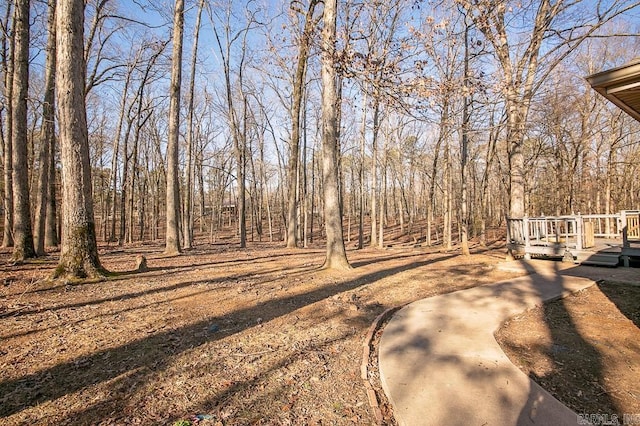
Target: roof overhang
[{"x": 621, "y": 86}]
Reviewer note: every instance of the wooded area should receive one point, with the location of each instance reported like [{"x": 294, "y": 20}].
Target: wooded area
[
  {"x": 175, "y": 171},
  {"x": 306, "y": 120}
]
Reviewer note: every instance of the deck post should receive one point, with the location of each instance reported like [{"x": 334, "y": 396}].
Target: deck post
[
  {"x": 527, "y": 240},
  {"x": 625, "y": 229},
  {"x": 625, "y": 237},
  {"x": 579, "y": 231}
]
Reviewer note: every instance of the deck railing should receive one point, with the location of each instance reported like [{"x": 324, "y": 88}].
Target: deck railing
[
  {"x": 577, "y": 232},
  {"x": 604, "y": 225},
  {"x": 630, "y": 220},
  {"x": 569, "y": 236}
]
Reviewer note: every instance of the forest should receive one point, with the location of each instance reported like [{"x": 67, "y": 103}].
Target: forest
[
  {"x": 212, "y": 209},
  {"x": 263, "y": 117}
]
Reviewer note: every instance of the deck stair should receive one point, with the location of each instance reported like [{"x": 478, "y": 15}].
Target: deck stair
[{"x": 597, "y": 258}]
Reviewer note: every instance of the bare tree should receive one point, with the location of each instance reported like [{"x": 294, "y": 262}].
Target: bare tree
[
  {"x": 51, "y": 232},
  {"x": 464, "y": 149},
  {"x": 336, "y": 253},
  {"x": 22, "y": 233},
  {"x": 553, "y": 31},
  {"x": 236, "y": 109},
  {"x": 173, "y": 188},
  {"x": 79, "y": 252},
  {"x": 7, "y": 70},
  {"x": 187, "y": 219},
  {"x": 113, "y": 178},
  {"x": 296, "y": 104},
  {"x": 47, "y": 134}
]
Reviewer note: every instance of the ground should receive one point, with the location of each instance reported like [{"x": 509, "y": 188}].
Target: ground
[
  {"x": 238, "y": 336},
  {"x": 584, "y": 349}
]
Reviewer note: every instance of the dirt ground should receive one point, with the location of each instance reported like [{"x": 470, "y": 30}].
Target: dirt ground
[
  {"x": 584, "y": 349},
  {"x": 234, "y": 336}
]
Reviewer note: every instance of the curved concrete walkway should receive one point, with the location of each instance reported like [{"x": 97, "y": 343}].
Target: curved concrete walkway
[{"x": 441, "y": 365}]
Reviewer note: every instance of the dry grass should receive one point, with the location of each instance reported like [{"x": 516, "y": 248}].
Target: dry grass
[{"x": 255, "y": 336}]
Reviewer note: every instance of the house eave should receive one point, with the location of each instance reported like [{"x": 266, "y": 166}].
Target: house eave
[{"x": 621, "y": 86}]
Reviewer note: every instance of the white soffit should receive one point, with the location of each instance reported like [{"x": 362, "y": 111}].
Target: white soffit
[{"x": 621, "y": 85}]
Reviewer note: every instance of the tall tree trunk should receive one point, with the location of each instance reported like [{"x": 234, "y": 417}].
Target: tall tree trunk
[
  {"x": 484, "y": 191},
  {"x": 51, "y": 234},
  {"x": 48, "y": 134},
  {"x": 265, "y": 186},
  {"x": 443, "y": 133},
  {"x": 7, "y": 62},
  {"x": 313, "y": 193},
  {"x": 361, "y": 200},
  {"x": 305, "y": 186},
  {"x": 296, "y": 106},
  {"x": 141, "y": 116},
  {"x": 22, "y": 234},
  {"x": 133, "y": 176},
  {"x": 515, "y": 140},
  {"x": 336, "y": 254},
  {"x": 200, "y": 175},
  {"x": 464, "y": 219},
  {"x": 125, "y": 179},
  {"x": 79, "y": 253},
  {"x": 383, "y": 196},
  {"x": 238, "y": 136},
  {"x": 172, "y": 243},
  {"x": 374, "y": 164},
  {"x": 255, "y": 196},
  {"x": 187, "y": 220},
  {"x": 448, "y": 187},
  {"x": 240, "y": 142},
  {"x": 113, "y": 178}
]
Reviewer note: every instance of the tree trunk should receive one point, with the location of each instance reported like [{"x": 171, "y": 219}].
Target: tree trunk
[
  {"x": 515, "y": 141},
  {"x": 22, "y": 234},
  {"x": 383, "y": 196},
  {"x": 444, "y": 129},
  {"x": 374, "y": 164},
  {"x": 313, "y": 193},
  {"x": 79, "y": 253},
  {"x": 296, "y": 106},
  {"x": 113, "y": 178},
  {"x": 172, "y": 238},
  {"x": 51, "y": 234},
  {"x": 48, "y": 134},
  {"x": 200, "y": 175},
  {"x": 141, "y": 116},
  {"x": 187, "y": 221},
  {"x": 446, "y": 233},
  {"x": 241, "y": 164},
  {"x": 7, "y": 238},
  {"x": 305, "y": 183},
  {"x": 336, "y": 254},
  {"x": 361, "y": 199},
  {"x": 484, "y": 191},
  {"x": 125, "y": 178},
  {"x": 464, "y": 219}
]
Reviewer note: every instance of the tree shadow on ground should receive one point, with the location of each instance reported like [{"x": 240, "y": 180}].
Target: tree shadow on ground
[
  {"x": 469, "y": 381},
  {"x": 135, "y": 361},
  {"x": 168, "y": 269},
  {"x": 133, "y": 295},
  {"x": 574, "y": 358},
  {"x": 216, "y": 402},
  {"x": 625, "y": 298}
]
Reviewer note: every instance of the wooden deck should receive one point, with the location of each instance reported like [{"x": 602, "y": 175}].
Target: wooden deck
[{"x": 591, "y": 239}]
